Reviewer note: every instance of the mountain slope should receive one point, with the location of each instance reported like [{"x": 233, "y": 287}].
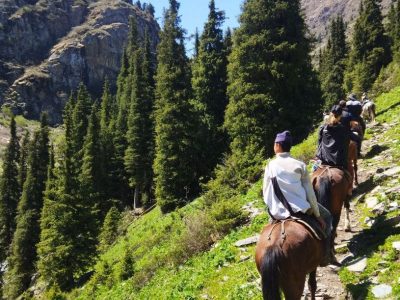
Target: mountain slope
[{"x": 226, "y": 271}]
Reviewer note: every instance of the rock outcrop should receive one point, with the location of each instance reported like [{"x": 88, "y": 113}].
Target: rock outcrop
[
  {"x": 48, "y": 47},
  {"x": 319, "y": 12}
]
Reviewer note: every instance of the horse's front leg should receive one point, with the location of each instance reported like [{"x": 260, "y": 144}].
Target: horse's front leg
[
  {"x": 347, "y": 226},
  {"x": 312, "y": 284},
  {"x": 355, "y": 172}
]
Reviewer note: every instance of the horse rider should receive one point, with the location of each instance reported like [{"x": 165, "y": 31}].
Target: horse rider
[
  {"x": 333, "y": 141},
  {"x": 288, "y": 191},
  {"x": 351, "y": 111}
]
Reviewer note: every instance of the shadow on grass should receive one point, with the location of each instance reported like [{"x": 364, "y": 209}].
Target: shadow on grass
[
  {"x": 375, "y": 150},
  {"x": 388, "y": 108}
]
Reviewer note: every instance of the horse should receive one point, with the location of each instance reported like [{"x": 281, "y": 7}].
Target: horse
[
  {"x": 284, "y": 258},
  {"x": 333, "y": 187},
  {"x": 368, "y": 111}
]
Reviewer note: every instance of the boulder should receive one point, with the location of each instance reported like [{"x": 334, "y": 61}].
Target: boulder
[
  {"x": 358, "y": 265},
  {"x": 382, "y": 291}
]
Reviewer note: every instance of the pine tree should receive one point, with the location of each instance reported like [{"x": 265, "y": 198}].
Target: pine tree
[
  {"x": 92, "y": 178},
  {"x": 127, "y": 268},
  {"x": 56, "y": 258},
  {"x": 175, "y": 174},
  {"x": 272, "y": 86},
  {"x": 10, "y": 191},
  {"x": 393, "y": 27},
  {"x": 118, "y": 177},
  {"x": 138, "y": 155},
  {"x": 196, "y": 43},
  {"x": 369, "y": 48},
  {"x": 23, "y": 251},
  {"x": 23, "y": 161},
  {"x": 333, "y": 60},
  {"x": 109, "y": 230},
  {"x": 209, "y": 83}
]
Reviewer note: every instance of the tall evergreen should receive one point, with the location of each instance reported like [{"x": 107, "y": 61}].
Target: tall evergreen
[
  {"x": 139, "y": 153},
  {"x": 369, "y": 48},
  {"x": 119, "y": 182},
  {"x": 23, "y": 161},
  {"x": 333, "y": 63},
  {"x": 23, "y": 251},
  {"x": 209, "y": 83},
  {"x": 393, "y": 27},
  {"x": 175, "y": 174},
  {"x": 196, "y": 43},
  {"x": 57, "y": 259},
  {"x": 272, "y": 86},
  {"x": 10, "y": 191}
]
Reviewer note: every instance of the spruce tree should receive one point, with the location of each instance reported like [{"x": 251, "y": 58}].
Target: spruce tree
[
  {"x": 10, "y": 191},
  {"x": 139, "y": 153},
  {"x": 369, "y": 48},
  {"x": 109, "y": 230},
  {"x": 333, "y": 60},
  {"x": 272, "y": 86},
  {"x": 175, "y": 173},
  {"x": 23, "y": 251},
  {"x": 393, "y": 27},
  {"x": 196, "y": 43},
  {"x": 209, "y": 83},
  {"x": 23, "y": 161},
  {"x": 93, "y": 206},
  {"x": 56, "y": 256}
]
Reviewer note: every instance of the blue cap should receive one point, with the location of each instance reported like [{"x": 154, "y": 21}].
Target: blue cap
[{"x": 284, "y": 137}]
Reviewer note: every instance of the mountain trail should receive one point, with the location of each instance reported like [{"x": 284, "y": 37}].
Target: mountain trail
[{"x": 348, "y": 244}]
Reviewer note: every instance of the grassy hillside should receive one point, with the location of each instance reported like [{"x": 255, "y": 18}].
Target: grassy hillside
[{"x": 171, "y": 261}]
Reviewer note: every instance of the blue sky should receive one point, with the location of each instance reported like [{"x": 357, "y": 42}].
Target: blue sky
[{"x": 194, "y": 13}]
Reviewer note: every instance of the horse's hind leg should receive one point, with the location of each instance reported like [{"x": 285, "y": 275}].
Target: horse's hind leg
[
  {"x": 355, "y": 172},
  {"x": 312, "y": 284},
  {"x": 293, "y": 286},
  {"x": 347, "y": 226}
]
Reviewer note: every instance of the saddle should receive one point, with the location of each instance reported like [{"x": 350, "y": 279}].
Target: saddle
[{"x": 310, "y": 223}]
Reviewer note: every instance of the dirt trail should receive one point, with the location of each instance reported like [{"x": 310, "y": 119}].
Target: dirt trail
[{"x": 328, "y": 282}]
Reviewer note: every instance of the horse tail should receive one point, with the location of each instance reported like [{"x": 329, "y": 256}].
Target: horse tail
[
  {"x": 324, "y": 192},
  {"x": 270, "y": 273}
]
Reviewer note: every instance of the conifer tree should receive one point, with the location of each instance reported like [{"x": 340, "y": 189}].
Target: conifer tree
[
  {"x": 333, "y": 60},
  {"x": 10, "y": 191},
  {"x": 174, "y": 167},
  {"x": 109, "y": 230},
  {"x": 196, "y": 43},
  {"x": 369, "y": 48},
  {"x": 209, "y": 83},
  {"x": 23, "y": 161},
  {"x": 56, "y": 258},
  {"x": 272, "y": 86},
  {"x": 23, "y": 251},
  {"x": 139, "y": 153},
  {"x": 127, "y": 268},
  {"x": 119, "y": 178},
  {"x": 92, "y": 181},
  {"x": 393, "y": 27}
]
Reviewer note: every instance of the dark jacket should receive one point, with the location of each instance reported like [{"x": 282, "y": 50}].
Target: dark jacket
[{"x": 333, "y": 145}]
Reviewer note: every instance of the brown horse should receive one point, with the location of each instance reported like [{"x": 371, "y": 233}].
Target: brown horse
[
  {"x": 286, "y": 252},
  {"x": 332, "y": 187}
]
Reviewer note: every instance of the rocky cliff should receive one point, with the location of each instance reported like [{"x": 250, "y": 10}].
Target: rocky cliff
[
  {"x": 47, "y": 47},
  {"x": 319, "y": 12}
]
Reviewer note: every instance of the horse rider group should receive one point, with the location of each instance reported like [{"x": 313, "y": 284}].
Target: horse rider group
[{"x": 287, "y": 188}]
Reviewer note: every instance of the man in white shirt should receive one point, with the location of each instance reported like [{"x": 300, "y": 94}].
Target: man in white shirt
[{"x": 287, "y": 187}]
